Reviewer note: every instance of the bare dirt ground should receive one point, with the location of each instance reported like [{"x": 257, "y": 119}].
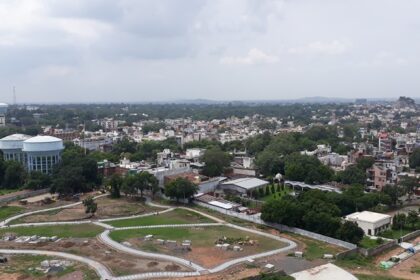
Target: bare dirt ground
[
  {"x": 207, "y": 256},
  {"x": 22, "y": 267},
  {"x": 119, "y": 263},
  {"x": 107, "y": 208},
  {"x": 402, "y": 270}
]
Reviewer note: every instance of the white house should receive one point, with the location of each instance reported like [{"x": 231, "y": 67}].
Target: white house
[{"x": 372, "y": 223}]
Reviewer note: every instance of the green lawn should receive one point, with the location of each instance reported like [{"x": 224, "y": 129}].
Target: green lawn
[
  {"x": 355, "y": 261},
  {"x": 368, "y": 243},
  {"x": 202, "y": 237},
  {"x": 177, "y": 216},
  {"x": 276, "y": 194},
  {"x": 7, "y": 191},
  {"x": 78, "y": 231},
  {"x": 394, "y": 234},
  {"x": 9, "y": 211},
  {"x": 316, "y": 250}
]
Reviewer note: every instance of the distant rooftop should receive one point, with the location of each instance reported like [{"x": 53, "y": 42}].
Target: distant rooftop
[{"x": 247, "y": 183}]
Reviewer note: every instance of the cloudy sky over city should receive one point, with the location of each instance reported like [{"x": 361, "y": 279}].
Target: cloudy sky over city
[{"x": 163, "y": 50}]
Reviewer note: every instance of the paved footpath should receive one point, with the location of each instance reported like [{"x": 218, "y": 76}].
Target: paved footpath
[{"x": 104, "y": 237}]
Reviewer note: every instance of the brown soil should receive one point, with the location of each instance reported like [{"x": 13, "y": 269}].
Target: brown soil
[
  {"x": 107, "y": 208},
  {"x": 119, "y": 263}
]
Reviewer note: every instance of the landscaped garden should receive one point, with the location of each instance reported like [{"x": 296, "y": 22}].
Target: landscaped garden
[
  {"x": 203, "y": 249},
  {"x": 177, "y": 216}
]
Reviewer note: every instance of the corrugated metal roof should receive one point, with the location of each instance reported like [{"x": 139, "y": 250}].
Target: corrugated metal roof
[{"x": 247, "y": 183}]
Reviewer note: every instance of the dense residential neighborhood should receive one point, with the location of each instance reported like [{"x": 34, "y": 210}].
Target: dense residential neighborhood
[{"x": 347, "y": 174}]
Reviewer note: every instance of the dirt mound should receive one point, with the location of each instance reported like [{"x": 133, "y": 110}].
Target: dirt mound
[
  {"x": 67, "y": 244},
  {"x": 152, "y": 264}
]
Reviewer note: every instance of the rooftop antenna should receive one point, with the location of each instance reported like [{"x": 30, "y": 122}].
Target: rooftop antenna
[{"x": 14, "y": 95}]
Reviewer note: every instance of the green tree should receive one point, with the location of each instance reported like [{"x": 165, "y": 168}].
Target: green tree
[
  {"x": 180, "y": 188},
  {"x": 350, "y": 232},
  {"x": 409, "y": 184},
  {"x": 68, "y": 181},
  {"x": 116, "y": 182},
  {"x": 399, "y": 221},
  {"x": 269, "y": 163},
  {"x": 352, "y": 175},
  {"x": 37, "y": 180},
  {"x": 394, "y": 192},
  {"x": 414, "y": 159},
  {"x": 365, "y": 163},
  {"x": 412, "y": 219},
  {"x": 273, "y": 190},
  {"x": 90, "y": 205},
  {"x": 14, "y": 175},
  {"x": 215, "y": 161}
]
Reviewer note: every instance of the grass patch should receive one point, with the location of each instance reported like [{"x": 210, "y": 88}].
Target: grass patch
[
  {"x": 316, "y": 249},
  {"x": 9, "y": 211},
  {"x": 64, "y": 231},
  {"x": 355, "y": 261},
  {"x": 368, "y": 243},
  {"x": 275, "y": 195},
  {"x": 7, "y": 191},
  {"x": 375, "y": 277},
  {"x": 394, "y": 234},
  {"x": 201, "y": 237},
  {"x": 415, "y": 269},
  {"x": 177, "y": 216}
]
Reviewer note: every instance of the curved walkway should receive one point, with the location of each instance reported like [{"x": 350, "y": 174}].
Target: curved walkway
[
  {"x": 104, "y": 237},
  {"x": 100, "y": 269},
  {"x": 5, "y": 222}
]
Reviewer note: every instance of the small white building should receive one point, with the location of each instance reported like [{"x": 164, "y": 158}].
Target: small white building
[{"x": 372, "y": 223}]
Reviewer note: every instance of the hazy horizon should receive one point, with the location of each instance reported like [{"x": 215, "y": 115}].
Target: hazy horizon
[{"x": 126, "y": 51}]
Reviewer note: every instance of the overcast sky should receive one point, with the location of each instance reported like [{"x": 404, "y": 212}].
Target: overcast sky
[{"x": 134, "y": 51}]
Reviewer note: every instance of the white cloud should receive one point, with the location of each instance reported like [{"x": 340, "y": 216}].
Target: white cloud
[
  {"x": 254, "y": 56},
  {"x": 334, "y": 47}
]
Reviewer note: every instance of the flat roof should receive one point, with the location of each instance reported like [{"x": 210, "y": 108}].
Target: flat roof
[
  {"x": 221, "y": 204},
  {"x": 324, "y": 272},
  {"x": 368, "y": 216},
  {"x": 43, "y": 139},
  {"x": 247, "y": 183}
]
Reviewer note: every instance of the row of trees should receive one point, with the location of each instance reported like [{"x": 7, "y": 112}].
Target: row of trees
[
  {"x": 321, "y": 212},
  {"x": 133, "y": 184}
]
